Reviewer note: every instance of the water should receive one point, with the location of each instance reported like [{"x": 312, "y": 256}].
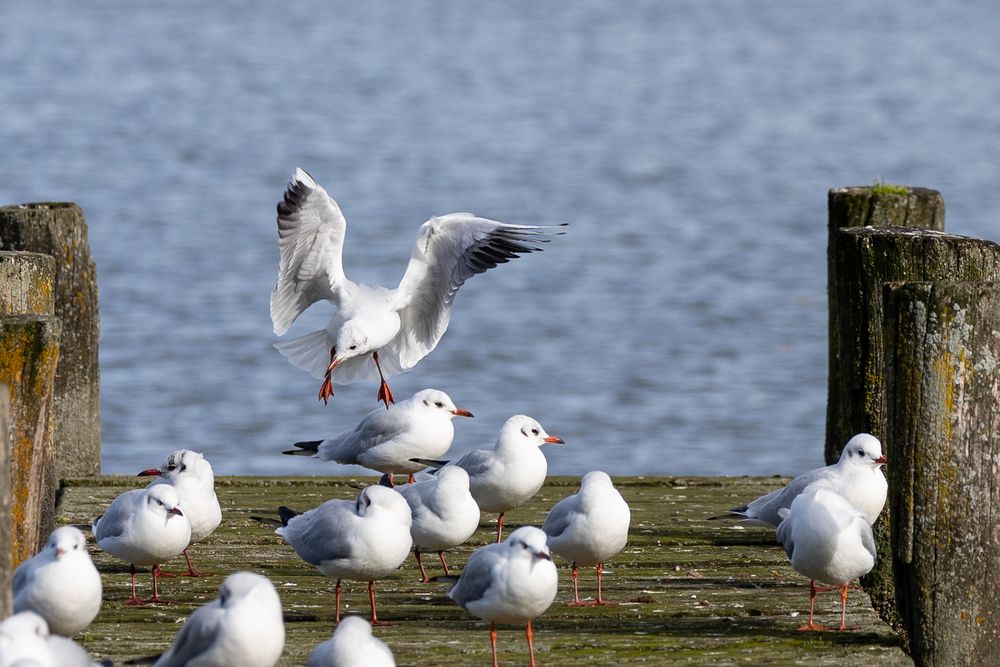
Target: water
[{"x": 680, "y": 325}]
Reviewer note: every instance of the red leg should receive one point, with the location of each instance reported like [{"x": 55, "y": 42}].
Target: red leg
[
  {"x": 500, "y": 527},
  {"x": 191, "y": 572},
  {"x": 423, "y": 575},
  {"x": 531, "y": 644},
  {"x": 371, "y": 599},
  {"x": 326, "y": 389},
  {"x": 384, "y": 393},
  {"x": 134, "y": 599},
  {"x": 843, "y": 606},
  {"x": 411, "y": 479},
  {"x": 156, "y": 595},
  {"x": 576, "y": 588},
  {"x": 600, "y": 574},
  {"x": 336, "y": 603},
  {"x": 444, "y": 564},
  {"x": 493, "y": 643},
  {"x": 812, "y": 605}
]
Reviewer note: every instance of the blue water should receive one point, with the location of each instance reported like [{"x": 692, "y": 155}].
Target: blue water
[{"x": 680, "y": 325}]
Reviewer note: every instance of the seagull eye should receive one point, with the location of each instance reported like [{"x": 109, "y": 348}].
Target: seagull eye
[
  {"x": 861, "y": 452},
  {"x": 183, "y": 467},
  {"x": 353, "y": 347},
  {"x": 439, "y": 404},
  {"x": 534, "y": 431}
]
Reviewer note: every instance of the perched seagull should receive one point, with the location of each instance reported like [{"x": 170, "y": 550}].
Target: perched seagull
[
  {"x": 144, "y": 527},
  {"x": 60, "y": 583},
  {"x": 352, "y": 645},
  {"x": 445, "y": 514},
  {"x": 25, "y": 640},
  {"x": 191, "y": 475},
  {"x": 387, "y": 440},
  {"x": 243, "y": 626},
  {"x": 377, "y": 329},
  {"x": 857, "y": 476},
  {"x": 509, "y": 473},
  {"x": 511, "y": 582},
  {"x": 827, "y": 539},
  {"x": 589, "y": 527},
  {"x": 363, "y": 540}
]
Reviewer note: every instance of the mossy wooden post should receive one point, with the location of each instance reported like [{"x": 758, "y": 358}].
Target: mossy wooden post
[
  {"x": 59, "y": 230},
  {"x": 27, "y": 282},
  {"x": 865, "y": 258},
  {"x": 943, "y": 388},
  {"x": 6, "y": 564}
]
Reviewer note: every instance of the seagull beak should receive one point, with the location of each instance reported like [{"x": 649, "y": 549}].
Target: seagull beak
[
  {"x": 554, "y": 439},
  {"x": 60, "y": 551},
  {"x": 881, "y": 459},
  {"x": 176, "y": 510},
  {"x": 461, "y": 412},
  {"x": 336, "y": 361},
  {"x": 150, "y": 473},
  {"x": 543, "y": 555}
]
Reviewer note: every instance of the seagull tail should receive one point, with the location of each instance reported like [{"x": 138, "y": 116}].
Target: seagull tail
[
  {"x": 311, "y": 352},
  {"x": 305, "y": 448},
  {"x": 286, "y": 514},
  {"x": 431, "y": 463},
  {"x": 735, "y": 513}
]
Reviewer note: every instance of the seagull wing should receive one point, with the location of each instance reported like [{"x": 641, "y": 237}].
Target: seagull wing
[
  {"x": 198, "y": 635},
  {"x": 478, "y": 575},
  {"x": 311, "y": 232},
  {"x": 560, "y": 517},
  {"x": 322, "y": 534},
  {"x": 449, "y": 250},
  {"x": 115, "y": 521},
  {"x": 476, "y": 462}
]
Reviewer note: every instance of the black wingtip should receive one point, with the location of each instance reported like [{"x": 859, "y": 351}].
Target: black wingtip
[
  {"x": 286, "y": 514},
  {"x": 305, "y": 448},
  {"x": 431, "y": 463}
]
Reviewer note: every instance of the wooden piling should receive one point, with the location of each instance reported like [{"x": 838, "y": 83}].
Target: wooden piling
[
  {"x": 29, "y": 351},
  {"x": 59, "y": 230},
  {"x": 943, "y": 385},
  {"x": 6, "y": 564},
  {"x": 27, "y": 283}
]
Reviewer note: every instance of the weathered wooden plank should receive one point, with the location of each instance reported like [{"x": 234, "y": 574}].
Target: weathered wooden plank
[
  {"x": 943, "y": 361},
  {"x": 6, "y": 563},
  {"x": 59, "y": 230},
  {"x": 691, "y": 591},
  {"x": 27, "y": 283}
]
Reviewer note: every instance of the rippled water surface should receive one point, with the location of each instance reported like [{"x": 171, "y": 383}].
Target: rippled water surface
[{"x": 678, "y": 327}]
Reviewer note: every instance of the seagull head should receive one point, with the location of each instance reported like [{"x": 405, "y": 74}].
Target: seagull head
[
  {"x": 521, "y": 428},
  {"x": 863, "y": 449},
  {"x": 67, "y": 540},
  {"x": 183, "y": 464},
  {"x": 529, "y": 542},
  {"x": 352, "y": 341},
  {"x": 376, "y": 499},
  {"x": 162, "y": 498},
  {"x": 436, "y": 401},
  {"x": 240, "y": 585}
]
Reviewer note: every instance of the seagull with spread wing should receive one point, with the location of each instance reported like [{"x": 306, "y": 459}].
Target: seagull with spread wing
[{"x": 377, "y": 329}]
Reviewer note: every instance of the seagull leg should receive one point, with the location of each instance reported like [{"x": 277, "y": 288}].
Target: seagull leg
[
  {"x": 500, "y": 526},
  {"x": 191, "y": 572},
  {"x": 411, "y": 479},
  {"x": 156, "y": 595},
  {"x": 326, "y": 389},
  {"x": 371, "y": 598},
  {"x": 812, "y": 605},
  {"x": 531, "y": 644},
  {"x": 134, "y": 599},
  {"x": 600, "y": 600},
  {"x": 444, "y": 564},
  {"x": 384, "y": 393},
  {"x": 493, "y": 643},
  {"x": 423, "y": 575},
  {"x": 843, "y": 606},
  {"x": 576, "y": 589},
  {"x": 336, "y": 603}
]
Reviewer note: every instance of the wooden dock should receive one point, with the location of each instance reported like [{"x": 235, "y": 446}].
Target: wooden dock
[{"x": 690, "y": 590}]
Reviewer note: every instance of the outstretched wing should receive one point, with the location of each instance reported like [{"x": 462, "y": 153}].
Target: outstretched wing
[
  {"x": 450, "y": 250},
  {"x": 311, "y": 240}
]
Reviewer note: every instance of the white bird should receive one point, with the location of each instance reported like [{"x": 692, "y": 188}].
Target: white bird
[
  {"x": 144, "y": 527},
  {"x": 191, "y": 475},
  {"x": 352, "y": 645},
  {"x": 386, "y": 440},
  {"x": 243, "y": 626},
  {"x": 376, "y": 329},
  {"x": 857, "y": 476},
  {"x": 445, "y": 514},
  {"x": 362, "y": 540},
  {"x": 511, "y": 582},
  {"x": 25, "y": 641},
  {"x": 589, "y": 527},
  {"x": 827, "y": 539},
  {"x": 509, "y": 473},
  {"x": 60, "y": 583}
]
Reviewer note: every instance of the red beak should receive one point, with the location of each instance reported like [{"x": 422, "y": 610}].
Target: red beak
[
  {"x": 460, "y": 412},
  {"x": 176, "y": 510},
  {"x": 882, "y": 459},
  {"x": 554, "y": 439},
  {"x": 150, "y": 473}
]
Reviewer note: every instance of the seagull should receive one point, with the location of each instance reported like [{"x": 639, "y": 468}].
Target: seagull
[
  {"x": 857, "y": 476},
  {"x": 589, "y": 527},
  {"x": 445, "y": 514},
  {"x": 511, "y": 582},
  {"x": 387, "y": 440},
  {"x": 243, "y": 626},
  {"x": 60, "y": 583},
  {"x": 144, "y": 527},
  {"x": 377, "y": 329},
  {"x": 352, "y": 645},
  {"x": 363, "y": 540},
  {"x": 509, "y": 473},
  {"x": 25, "y": 641},
  {"x": 191, "y": 475},
  {"x": 827, "y": 539}
]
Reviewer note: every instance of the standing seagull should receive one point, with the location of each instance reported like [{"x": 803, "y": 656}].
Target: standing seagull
[
  {"x": 60, "y": 583},
  {"x": 144, "y": 527},
  {"x": 509, "y": 473},
  {"x": 243, "y": 626},
  {"x": 387, "y": 440},
  {"x": 589, "y": 527},
  {"x": 444, "y": 513},
  {"x": 376, "y": 329},
  {"x": 511, "y": 582},
  {"x": 364, "y": 540},
  {"x": 857, "y": 476},
  {"x": 191, "y": 475},
  {"x": 352, "y": 645},
  {"x": 827, "y": 539}
]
